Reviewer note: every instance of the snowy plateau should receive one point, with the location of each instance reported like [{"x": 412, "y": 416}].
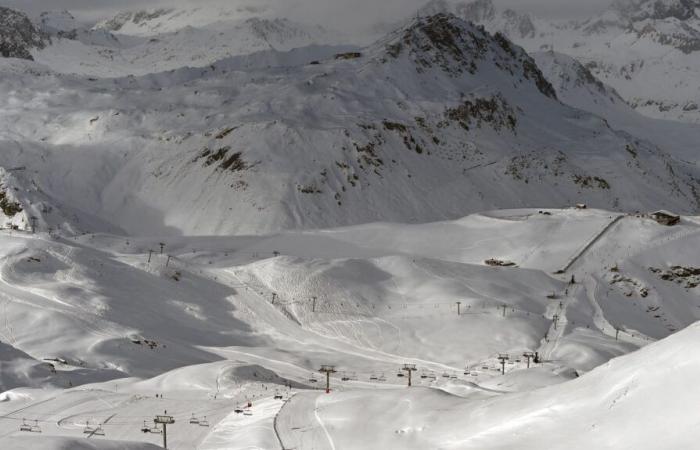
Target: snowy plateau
[{"x": 469, "y": 228}]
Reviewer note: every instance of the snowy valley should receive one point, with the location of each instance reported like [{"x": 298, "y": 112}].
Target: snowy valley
[{"x": 206, "y": 210}]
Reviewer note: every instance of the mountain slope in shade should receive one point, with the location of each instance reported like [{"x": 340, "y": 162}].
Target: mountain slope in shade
[
  {"x": 436, "y": 120},
  {"x": 578, "y": 87}
]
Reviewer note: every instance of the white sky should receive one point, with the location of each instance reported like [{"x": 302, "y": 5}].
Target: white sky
[{"x": 362, "y": 10}]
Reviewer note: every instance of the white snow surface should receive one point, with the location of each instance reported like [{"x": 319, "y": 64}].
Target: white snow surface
[
  {"x": 201, "y": 328},
  {"x": 405, "y": 130},
  {"x": 200, "y": 207},
  {"x": 650, "y": 59}
]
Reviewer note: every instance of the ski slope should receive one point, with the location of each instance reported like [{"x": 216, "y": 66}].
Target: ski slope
[{"x": 91, "y": 332}]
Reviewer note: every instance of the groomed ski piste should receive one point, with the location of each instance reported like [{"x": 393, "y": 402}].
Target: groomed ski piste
[{"x": 101, "y": 333}]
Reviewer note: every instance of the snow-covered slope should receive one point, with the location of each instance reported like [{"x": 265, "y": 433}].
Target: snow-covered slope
[
  {"x": 576, "y": 86},
  {"x": 151, "y": 41},
  {"x": 641, "y": 401},
  {"x": 216, "y": 322},
  {"x": 434, "y": 121},
  {"x": 645, "y": 49}
]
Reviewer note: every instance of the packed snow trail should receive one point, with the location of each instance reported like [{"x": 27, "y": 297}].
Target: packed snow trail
[{"x": 300, "y": 426}]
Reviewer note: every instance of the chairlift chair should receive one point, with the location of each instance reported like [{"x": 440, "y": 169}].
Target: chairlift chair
[
  {"x": 278, "y": 396},
  {"x": 88, "y": 429},
  {"x": 25, "y": 426},
  {"x": 145, "y": 428},
  {"x": 194, "y": 420},
  {"x": 445, "y": 375},
  {"x": 204, "y": 422},
  {"x": 373, "y": 377},
  {"x": 238, "y": 410},
  {"x": 155, "y": 429},
  {"x": 400, "y": 375},
  {"x": 423, "y": 375},
  {"x": 381, "y": 378},
  {"x": 312, "y": 379},
  {"x": 36, "y": 428},
  {"x": 247, "y": 412},
  {"x": 99, "y": 431}
]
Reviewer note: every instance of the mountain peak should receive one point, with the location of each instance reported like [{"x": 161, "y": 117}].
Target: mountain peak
[
  {"x": 455, "y": 46},
  {"x": 18, "y": 36}
]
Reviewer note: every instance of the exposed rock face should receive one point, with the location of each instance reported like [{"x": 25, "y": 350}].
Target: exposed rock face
[
  {"x": 637, "y": 10},
  {"x": 17, "y": 35},
  {"x": 137, "y": 17},
  {"x": 455, "y": 46}
]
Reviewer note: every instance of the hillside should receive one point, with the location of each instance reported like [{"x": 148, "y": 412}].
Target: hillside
[
  {"x": 205, "y": 210},
  {"x": 645, "y": 49},
  {"x": 93, "y": 327},
  {"x": 153, "y": 41},
  {"x": 434, "y": 121},
  {"x": 639, "y": 401}
]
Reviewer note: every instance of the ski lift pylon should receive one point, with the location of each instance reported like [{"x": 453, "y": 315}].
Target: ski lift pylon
[
  {"x": 25, "y": 426},
  {"x": 88, "y": 429}
]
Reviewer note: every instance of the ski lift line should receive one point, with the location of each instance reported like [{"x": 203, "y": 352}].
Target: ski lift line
[
  {"x": 450, "y": 304},
  {"x": 137, "y": 419}
]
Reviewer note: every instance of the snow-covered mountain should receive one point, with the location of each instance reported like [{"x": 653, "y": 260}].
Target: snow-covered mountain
[
  {"x": 204, "y": 211},
  {"x": 436, "y": 120},
  {"x": 511, "y": 23},
  {"x": 646, "y": 49},
  {"x": 151, "y": 41}
]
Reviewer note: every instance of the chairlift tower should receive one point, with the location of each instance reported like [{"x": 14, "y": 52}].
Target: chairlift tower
[
  {"x": 165, "y": 421},
  {"x": 328, "y": 370},
  {"x": 528, "y": 356},
  {"x": 409, "y": 368},
  {"x": 503, "y": 357},
  {"x": 459, "y": 304}
]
